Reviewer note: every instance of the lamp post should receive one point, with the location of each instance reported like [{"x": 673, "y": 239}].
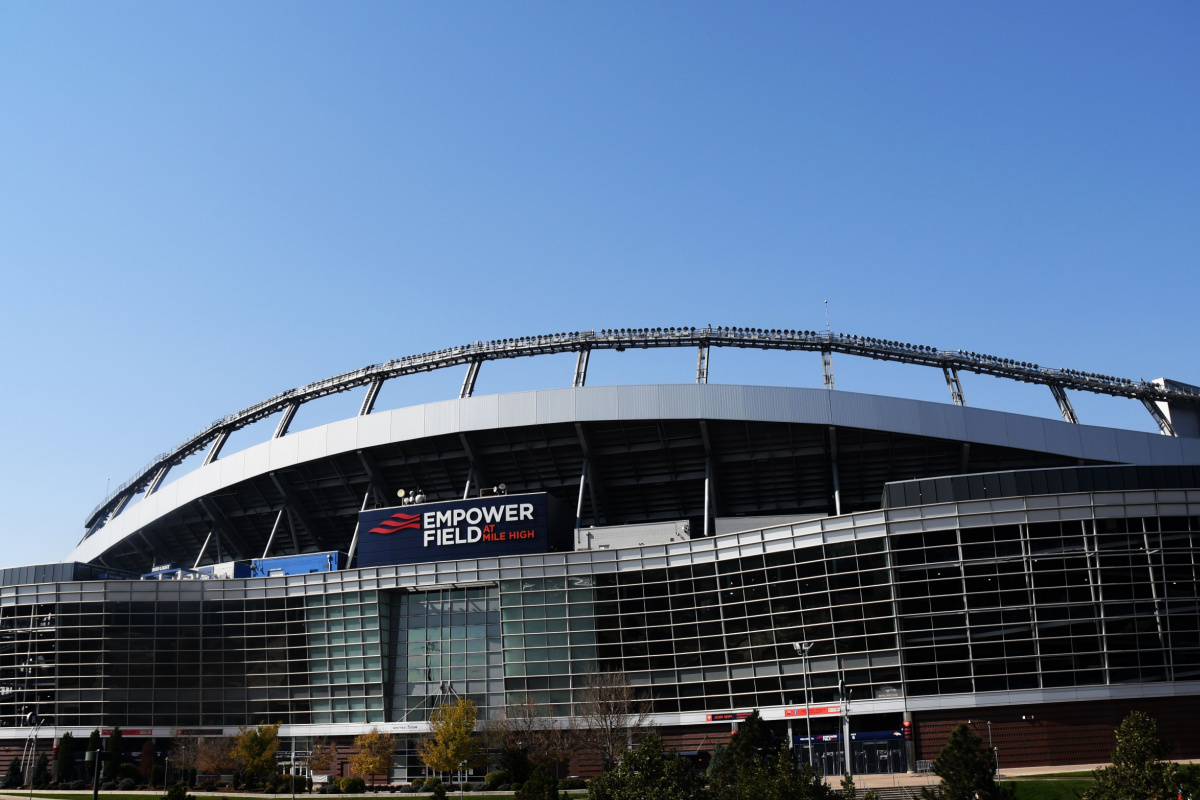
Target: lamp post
[
  {"x": 802, "y": 649},
  {"x": 94, "y": 757}
]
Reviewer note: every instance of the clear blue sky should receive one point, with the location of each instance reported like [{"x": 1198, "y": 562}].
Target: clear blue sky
[{"x": 204, "y": 204}]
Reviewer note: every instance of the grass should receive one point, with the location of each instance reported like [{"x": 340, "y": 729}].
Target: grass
[
  {"x": 1044, "y": 776},
  {"x": 1050, "y": 789}
]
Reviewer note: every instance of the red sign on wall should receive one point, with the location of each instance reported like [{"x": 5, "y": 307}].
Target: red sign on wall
[{"x": 814, "y": 711}]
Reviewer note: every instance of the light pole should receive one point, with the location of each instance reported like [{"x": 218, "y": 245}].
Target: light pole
[
  {"x": 461, "y": 766},
  {"x": 802, "y": 649}
]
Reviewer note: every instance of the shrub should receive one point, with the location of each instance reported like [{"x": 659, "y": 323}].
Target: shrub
[
  {"x": 352, "y": 785},
  {"x": 572, "y": 783},
  {"x": 126, "y": 784},
  {"x": 504, "y": 787},
  {"x": 435, "y": 787},
  {"x": 542, "y": 785},
  {"x": 494, "y": 779},
  {"x": 417, "y": 783},
  {"x": 177, "y": 791},
  {"x": 129, "y": 771},
  {"x": 515, "y": 786},
  {"x": 108, "y": 785}
]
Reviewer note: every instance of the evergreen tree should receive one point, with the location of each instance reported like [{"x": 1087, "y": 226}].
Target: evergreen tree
[
  {"x": 542, "y": 785},
  {"x": 64, "y": 762},
  {"x": 15, "y": 775},
  {"x": 93, "y": 746},
  {"x": 40, "y": 778},
  {"x": 649, "y": 773},
  {"x": 1139, "y": 769},
  {"x": 515, "y": 761},
  {"x": 965, "y": 769},
  {"x": 113, "y": 762}
]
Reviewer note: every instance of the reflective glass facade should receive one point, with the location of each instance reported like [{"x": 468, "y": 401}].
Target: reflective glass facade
[{"x": 916, "y": 605}]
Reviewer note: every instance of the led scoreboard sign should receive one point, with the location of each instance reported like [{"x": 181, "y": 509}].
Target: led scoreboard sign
[{"x": 481, "y": 527}]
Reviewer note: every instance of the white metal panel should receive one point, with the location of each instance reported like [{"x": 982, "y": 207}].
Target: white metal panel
[
  {"x": 680, "y": 401},
  {"x": 515, "y": 410},
  {"x": 479, "y": 413},
  {"x": 1099, "y": 444},
  {"x": 942, "y": 420},
  {"x": 1132, "y": 446},
  {"x": 232, "y": 469},
  {"x": 1026, "y": 433},
  {"x": 374, "y": 429},
  {"x": 720, "y": 401},
  {"x": 556, "y": 405},
  {"x": 257, "y": 460},
  {"x": 408, "y": 423},
  {"x": 343, "y": 436},
  {"x": 1062, "y": 438},
  {"x": 284, "y": 452},
  {"x": 313, "y": 443},
  {"x": 637, "y": 402},
  {"x": 600, "y": 402},
  {"x": 442, "y": 417},
  {"x": 985, "y": 426}
]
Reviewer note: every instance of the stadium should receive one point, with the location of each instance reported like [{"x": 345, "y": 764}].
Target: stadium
[{"x": 865, "y": 571}]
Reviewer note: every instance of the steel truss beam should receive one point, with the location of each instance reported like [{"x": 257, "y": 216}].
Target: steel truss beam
[
  {"x": 368, "y": 403},
  {"x": 956, "y": 392},
  {"x": 581, "y": 364},
  {"x": 1064, "y": 404},
  {"x": 1164, "y": 425},
  {"x": 473, "y": 355},
  {"x": 297, "y": 508}
]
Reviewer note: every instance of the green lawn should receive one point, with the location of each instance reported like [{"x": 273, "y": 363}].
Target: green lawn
[{"x": 1050, "y": 789}]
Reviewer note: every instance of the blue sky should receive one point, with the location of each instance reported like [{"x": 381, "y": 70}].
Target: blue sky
[{"x": 204, "y": 204}]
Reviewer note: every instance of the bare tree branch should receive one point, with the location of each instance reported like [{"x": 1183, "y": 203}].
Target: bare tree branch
[{"x": 610, "y": 718}]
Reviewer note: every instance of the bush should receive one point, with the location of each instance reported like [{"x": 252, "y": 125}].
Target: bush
[
  {"x": 130, "y": 772},
  {"x": 572, "y": 783},
  {"x": 352, "y": 785},
  {"x": 542, "y": 785},
  {"x": 177, "y": 791},
  {"x": 494, "y": 779},
  {"x": 417, "y": 783},
  {"x": 435, "y": 787},
  {"x": 515, "y": 786},
  {"x": 108, "y": 785},
  {"x": 126, "y": 784},
  {"x": 504, "y": 787}
]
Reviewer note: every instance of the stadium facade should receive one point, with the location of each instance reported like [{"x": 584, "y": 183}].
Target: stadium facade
[{"x": 943, "y": 563}]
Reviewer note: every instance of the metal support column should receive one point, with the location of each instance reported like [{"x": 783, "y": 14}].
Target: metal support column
[
  {"x": 214, "y": 449},
  {"x": 707, "y": 493},
  {"x": 203, "y": 547},
  {"x": 271, "y": 538},
  {"x": 292, "y": 530},
  {"x": 1164, "y": 425},
  {"x": 1064, "y": 404},
  {"x": 156, "y": 481},
  {"x": 467, "y": 488},
  {"x": 956, "y": 392},
  {"x": 285, "y": 421},
  {"x": 581, "y": 364},
  {"x": 468, "y": 387},
  {"x": 354, "y": 539},
  {"x": 833, "y": 463},
  {"x": 579, "y": 503},
  {"x": 702, "y": 364},
  {"x": 368, "y": 403},
  {"x": 827, "y": 367}
]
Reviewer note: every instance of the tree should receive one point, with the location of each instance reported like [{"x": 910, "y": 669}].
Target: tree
[
  {"x": 15, "y": 775},
  {"x": 648, "y": 773},
  {"x": 213, "y": 755},
  {"x": 254, "y": 749},
  {"x": 146, "y": 762},
  {"x": 610, "y": 718},
  {"x": 64, "y": 761},
  {"x": 524, "y": 725},
  {"x": 767, "y": 773},
  {"x": 113, "y": 762},
  {"x": 452, "y": 741},
  {"x": 514, "y": 762},
  {"x": 849, "y": 791},
  {"x": 93, "y": 746},
  {"x": 184, "y": 752},
  {"x": 324, "y": 753},
  {"x": 542, "y": 785},
  {"x": 40, "y": 777},
  {"x": 965, "y": 768},
  {"x": 375, "y": 751},
  {"x": 1138, "y": 767}
]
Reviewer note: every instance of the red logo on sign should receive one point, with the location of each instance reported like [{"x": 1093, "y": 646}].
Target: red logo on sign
[{"x": 399, "y": 522}]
